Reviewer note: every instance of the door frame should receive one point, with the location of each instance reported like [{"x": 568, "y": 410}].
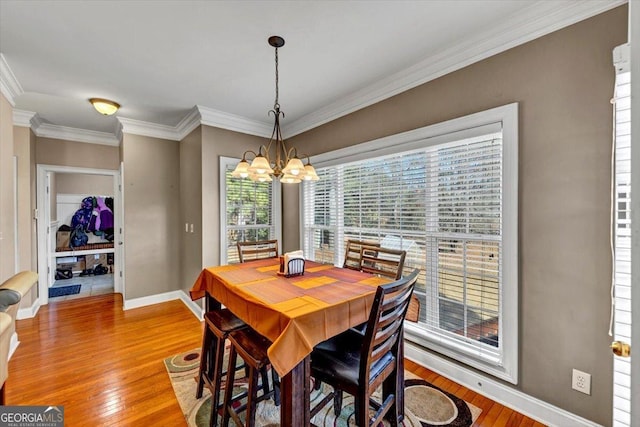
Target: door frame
[
  {"x": 43, "y": 209},
  {"x": 634, "y": 41}
]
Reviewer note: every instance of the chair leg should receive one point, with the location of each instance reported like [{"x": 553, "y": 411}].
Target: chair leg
[
  {"x": 276, "y": 387},
  {"x": 390, "y": 387},
  {"x": 218, "y": 359},
  {"x": 250, "y": 420},
  {"x": 205, "y": 359},
  {"x": 228, "y": 391},
  {"x": 265, "y": 380},
  {"x": 362, "y": 409},
  {"x": 337, "y": 402}
]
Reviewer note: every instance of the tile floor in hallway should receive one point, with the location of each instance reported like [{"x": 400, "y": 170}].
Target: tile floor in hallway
[{"x": 91, "y": 285}]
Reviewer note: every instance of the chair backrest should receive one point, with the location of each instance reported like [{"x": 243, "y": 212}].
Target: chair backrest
[
  {"x": 382, "y": 261},
  {"x": 248, "y": 251},
  {"x": 384, "y": 329},
  {"x": 352, "y": 253}
]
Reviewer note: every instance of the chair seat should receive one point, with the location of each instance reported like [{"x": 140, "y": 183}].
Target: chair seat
[
  {"x": 223, "y": 320},
  {"x": 251, "y": 346},
  {"x": 339, "y": 357}
]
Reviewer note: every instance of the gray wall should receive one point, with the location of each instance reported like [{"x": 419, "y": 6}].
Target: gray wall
[
  {"x": 151, "y": 189},
  {"x": 80, "y": 183},
  {"x": 215, "y": 143},
  {"x": 191, "y": 207},
  {"x": 563, "y": 83},
  {"x": 51, "y": 151}
]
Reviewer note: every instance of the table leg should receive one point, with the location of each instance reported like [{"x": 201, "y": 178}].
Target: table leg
[
  {"x": 210, "y": 303},
  {"x": 400, "y": 384},
  {"x": 294, "y": 395}
]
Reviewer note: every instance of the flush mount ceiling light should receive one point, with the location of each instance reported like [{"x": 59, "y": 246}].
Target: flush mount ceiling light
[
  {"x": 104, "y": 106},
  {"x": 281, "y": 163}
]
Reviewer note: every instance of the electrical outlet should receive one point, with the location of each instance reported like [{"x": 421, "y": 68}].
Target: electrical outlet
[{"x": 581, "y": 381}]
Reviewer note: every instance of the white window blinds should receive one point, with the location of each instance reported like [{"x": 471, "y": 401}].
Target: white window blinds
[
  {"x": 622, "y": 239},
  {"x": 248, "y": 212},
  {"x": 443, "y": 204}
]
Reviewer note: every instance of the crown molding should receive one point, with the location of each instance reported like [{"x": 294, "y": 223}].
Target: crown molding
[
  {"x": 188, "y": 123},
  {"x": 23, "y": 118},
  {"x": 541, "y": 18},
  {"x": 47, "y": 130},
  {"x": 154, "y": 130},
  {"x": 197, "y": 116},
  {"x": 220, "y": 119},
  {"x": 32, "y": 120},
  {"x": 9, "y": 84}
]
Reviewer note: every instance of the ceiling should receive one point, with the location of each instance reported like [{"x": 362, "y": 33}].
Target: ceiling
[{"x": 160, "y": 59}]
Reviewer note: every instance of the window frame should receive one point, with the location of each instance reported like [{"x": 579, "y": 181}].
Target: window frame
[
  {"x": 276, "y": 205},
  {"x": 506, "y": 367}
]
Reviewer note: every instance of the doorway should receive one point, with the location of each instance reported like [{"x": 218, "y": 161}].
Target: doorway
[{"x": 59, "y": 259}]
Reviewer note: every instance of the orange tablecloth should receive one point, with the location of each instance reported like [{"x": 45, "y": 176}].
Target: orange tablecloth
[{"x": 295, "y": 313}]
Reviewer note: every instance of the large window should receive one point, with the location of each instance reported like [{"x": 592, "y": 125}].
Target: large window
[
  {"x": 247, "y": 210},
  {"x": 447, "y": 194}
]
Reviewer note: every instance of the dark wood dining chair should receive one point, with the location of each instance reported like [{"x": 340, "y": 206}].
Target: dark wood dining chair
[
  {"x": 217, "y": 327},
  {"x": 352, "y": 253},
  {"x": 358, "y": 364},
  {"x": 382, "y": 261},
  {"x": 252, "y": 348},
  {"x": 219, "y": 324},
  {"x": 248, "y": 251}
]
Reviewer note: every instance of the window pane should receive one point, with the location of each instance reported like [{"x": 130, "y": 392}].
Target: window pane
[
  {"x": 442, "y": 205},
  {"x": 249, "y": 212}
]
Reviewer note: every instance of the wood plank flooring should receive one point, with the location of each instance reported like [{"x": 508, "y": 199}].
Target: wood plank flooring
[{"x": 105, "y": 365}]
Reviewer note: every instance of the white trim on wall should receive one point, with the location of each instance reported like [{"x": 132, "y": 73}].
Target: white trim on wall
[
  {"x": 539, "y": 19},
  {"x": 488, "y": 121},
  {"x": 9, "y": 84},
  {"x": 530, "y": 406}
]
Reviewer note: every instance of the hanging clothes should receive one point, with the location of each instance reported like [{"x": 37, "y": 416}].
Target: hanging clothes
[{"x": 83, "y": 216}]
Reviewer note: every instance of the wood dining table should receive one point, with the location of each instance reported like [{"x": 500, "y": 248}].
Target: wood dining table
[{"x": 295, "y": 313}]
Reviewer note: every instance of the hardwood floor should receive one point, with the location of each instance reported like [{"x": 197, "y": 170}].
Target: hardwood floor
[{"x": 105, "y": 364}]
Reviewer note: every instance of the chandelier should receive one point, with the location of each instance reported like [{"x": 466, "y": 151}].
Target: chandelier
[{"x": 281, "y": 163}]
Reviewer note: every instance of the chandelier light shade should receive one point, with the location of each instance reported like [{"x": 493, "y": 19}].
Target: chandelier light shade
[
  {"x": 274, "y": 159},
  {"x": 104, "y": 106}
]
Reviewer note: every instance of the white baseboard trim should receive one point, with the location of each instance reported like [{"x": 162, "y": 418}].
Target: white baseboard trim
[
  {"x": 150, "y": 300},
  {"x": 536, "y": 409},
  {"x": 13, "y": 344},
  {"x": 193, "y": 306},
  {"x": 29, "y": 312}
]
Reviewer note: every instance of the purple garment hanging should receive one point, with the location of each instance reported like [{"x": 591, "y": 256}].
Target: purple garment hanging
[{"x": 105, "y": 216}]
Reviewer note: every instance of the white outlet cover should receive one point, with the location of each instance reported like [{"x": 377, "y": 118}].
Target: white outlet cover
[{"x": 581, "y": 381}]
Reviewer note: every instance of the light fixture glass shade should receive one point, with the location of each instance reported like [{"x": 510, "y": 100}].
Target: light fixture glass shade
[
  {"x": 310, "y": 173},
  {"x": 261, "y": 177},
  {"x": 104, "y": 106},
  {"x": 241, "y": 170},
  {"x": 290, "y": 179},
  {"x": 260, "y": 165},
  {"x": 294, "y": 167}
]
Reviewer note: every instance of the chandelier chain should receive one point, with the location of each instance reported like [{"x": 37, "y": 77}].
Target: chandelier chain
[
  {"x": 276, "y": 105},
  {"x": 283, "y": 164}
]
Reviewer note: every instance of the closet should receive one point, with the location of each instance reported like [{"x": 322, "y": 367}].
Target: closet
[{"x": 81, "y": 243}]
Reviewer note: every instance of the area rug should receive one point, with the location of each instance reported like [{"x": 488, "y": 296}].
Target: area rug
[
  {"x": 425, "y": 404},
  {"x": 60, "y": 291}
]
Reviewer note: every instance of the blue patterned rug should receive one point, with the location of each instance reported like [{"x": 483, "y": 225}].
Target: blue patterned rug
[{"x": 59, "y": 291}]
